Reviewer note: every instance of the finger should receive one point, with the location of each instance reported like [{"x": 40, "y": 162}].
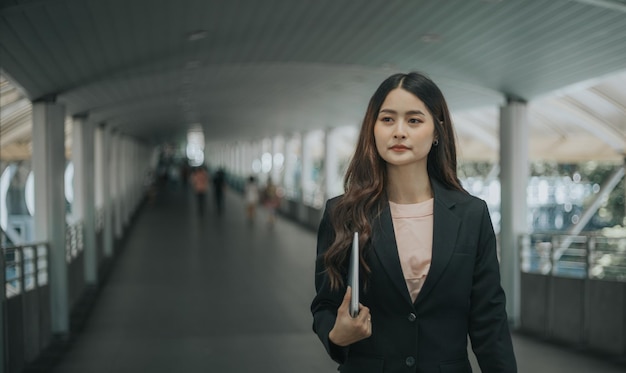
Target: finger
[
  {"x": 348, "y": 294},
  {"x": 364, "y": 312},
  {"x": 346, "y": 301}
]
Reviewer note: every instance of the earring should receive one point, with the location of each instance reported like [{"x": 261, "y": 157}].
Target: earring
[{"x": 436, "y": 142}]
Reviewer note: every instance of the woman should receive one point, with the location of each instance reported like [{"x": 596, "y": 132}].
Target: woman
[{"x": 428, "y": 250}]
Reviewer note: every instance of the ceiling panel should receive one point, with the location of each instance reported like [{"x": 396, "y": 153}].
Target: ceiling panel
[{"x": 245, "y": 68}]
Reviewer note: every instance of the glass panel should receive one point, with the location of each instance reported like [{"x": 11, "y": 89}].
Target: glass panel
[
  {"x": 12, "y": 259},
  {"x": 293, "y": 168},
  {"x": 313, "y": 168},
  {"x": 29, "y": 268},
  {"x": 341, "y": 143},
  {"x": 608, "y": 258},
  {"x": 278, "y": 160},
  {"x": 536, "y": 251},
  {"x": 42, "y": 265},
  {"x": 570, "y": 256}
]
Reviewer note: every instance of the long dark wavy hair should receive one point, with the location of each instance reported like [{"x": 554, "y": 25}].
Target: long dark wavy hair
[{"x": 366, "y": 177}]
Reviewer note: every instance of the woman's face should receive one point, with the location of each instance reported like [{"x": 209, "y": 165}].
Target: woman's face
[{"x": 404, "y": 130}]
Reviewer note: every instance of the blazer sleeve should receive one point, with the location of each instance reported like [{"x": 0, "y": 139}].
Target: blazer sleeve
[
  {"x": 488, "y": 328},
  {"x": 326, "y": 302}
]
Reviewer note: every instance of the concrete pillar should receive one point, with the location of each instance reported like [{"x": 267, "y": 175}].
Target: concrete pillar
[
  {"x": 514, "y": 172},
  {"x": 108, "y": 234},
  {"x": 116, "y": 189},
  {"x": 102, "y": 184},
  {"x": 84, "y": 192},
  {"x": 305, "y": 166},
  {"x": 98, "y": 149},
  {"x": 278, "y": 160},
  {"x": 48, "y": 160},
  {"x": 135, "y": 173},
  {"x": 330, "y": 162},
  {"x": 131, "y": 173},
  {"x": 123, "y": 166}
]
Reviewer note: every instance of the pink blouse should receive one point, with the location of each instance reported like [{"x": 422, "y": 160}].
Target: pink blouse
[{"x": 413, "y": 226}]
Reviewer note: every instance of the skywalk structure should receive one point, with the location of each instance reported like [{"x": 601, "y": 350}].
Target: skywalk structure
[{"x": 92, "y": 91}]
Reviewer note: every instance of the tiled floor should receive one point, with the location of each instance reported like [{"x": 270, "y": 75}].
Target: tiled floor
[{"x": 216, "y": 294}]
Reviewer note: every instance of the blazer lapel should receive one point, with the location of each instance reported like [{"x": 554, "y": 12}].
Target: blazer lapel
[
  {"x": 445, "y": 229},
  {"x": 386, "y": 249}
]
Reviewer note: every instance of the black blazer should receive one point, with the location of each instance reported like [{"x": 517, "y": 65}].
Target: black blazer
[{"x": 461, "y": 296}]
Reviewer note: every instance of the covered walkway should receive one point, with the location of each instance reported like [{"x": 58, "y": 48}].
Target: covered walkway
[
  {"x": 216, "y": 294},
  {"x": 98, "y": 97}
]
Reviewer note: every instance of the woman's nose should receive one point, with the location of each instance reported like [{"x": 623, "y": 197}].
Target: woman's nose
[{"x": 399, "y": 132}]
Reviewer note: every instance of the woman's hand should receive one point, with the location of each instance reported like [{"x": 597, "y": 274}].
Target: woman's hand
[{"x": 348, "y": 329}]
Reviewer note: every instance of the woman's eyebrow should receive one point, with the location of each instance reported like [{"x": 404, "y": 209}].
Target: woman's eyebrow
[
  {"x": 410, "y": 112},
  {"x": 416, "y": 112}
]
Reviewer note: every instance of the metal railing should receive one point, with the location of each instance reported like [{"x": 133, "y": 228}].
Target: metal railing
[
  {"x": 74, "y": 241},
  {"x": 25, "y": 306},
  {"x": 25, "y": 268},
  {"x": 572, "y": 290},
  {"x": 99, "y": 220},
  {"x": 582, "y": 256}
]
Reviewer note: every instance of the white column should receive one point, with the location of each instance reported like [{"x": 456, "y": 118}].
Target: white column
[
  {"x": 77, "y": 161},
  {"x": 133, "y": 172},
  {"x": 48, "y": 168},
  {"x": 278, "y": 160},
  {"x": 104, "y": 186},
  {"x": 116, "y": 190},
  {"x": 305, "y": 170},
  {"x": 124, "y": 165},
  {"x": 84, "y": 192},
  {"x": 330, "y": 162},
  {"x": 514, "y": 172},
  {"x": 139, "y": 174},
  {"x": 98, "y": 149},
  {"x": 128, "y": 173}
]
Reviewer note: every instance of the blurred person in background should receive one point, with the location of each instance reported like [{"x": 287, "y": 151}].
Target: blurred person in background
[
  {"x": 219, "y": 182},
  {"x": 271, "y": 200},
  {"x": 251, "y": 195},
  {"x": 200, "y": 182}
]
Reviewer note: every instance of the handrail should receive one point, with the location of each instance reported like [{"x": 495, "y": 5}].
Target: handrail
[
  {"x": 36, "y": 243},
  {"x": 24, "y": 267},
  {"x": 74, "y": 244},
  {"x": 587, "y": 256}
]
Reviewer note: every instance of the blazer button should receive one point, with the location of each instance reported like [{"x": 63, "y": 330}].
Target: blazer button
[
  {"x": 410, "y": 361},
  {"x": 412, "y": 317}
]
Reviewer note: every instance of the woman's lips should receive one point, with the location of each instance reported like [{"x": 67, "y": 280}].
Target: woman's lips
[{"x": 399, "y": 148}]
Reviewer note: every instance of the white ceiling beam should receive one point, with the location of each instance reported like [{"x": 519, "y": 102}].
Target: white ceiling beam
[
  {"x": 22, "y": 132},
  {"x": 594, "y": 125},
  {"x": 608, "y": 4},
  {"x": 14, "y": 109},
  {"x": 470, "y": 128},
  {"x": 620, "y": 105}
]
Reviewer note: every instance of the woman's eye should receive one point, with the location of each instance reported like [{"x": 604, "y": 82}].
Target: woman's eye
[
  {"x": 386, "y": 119},
  {"x": 414, "y": 121}
]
